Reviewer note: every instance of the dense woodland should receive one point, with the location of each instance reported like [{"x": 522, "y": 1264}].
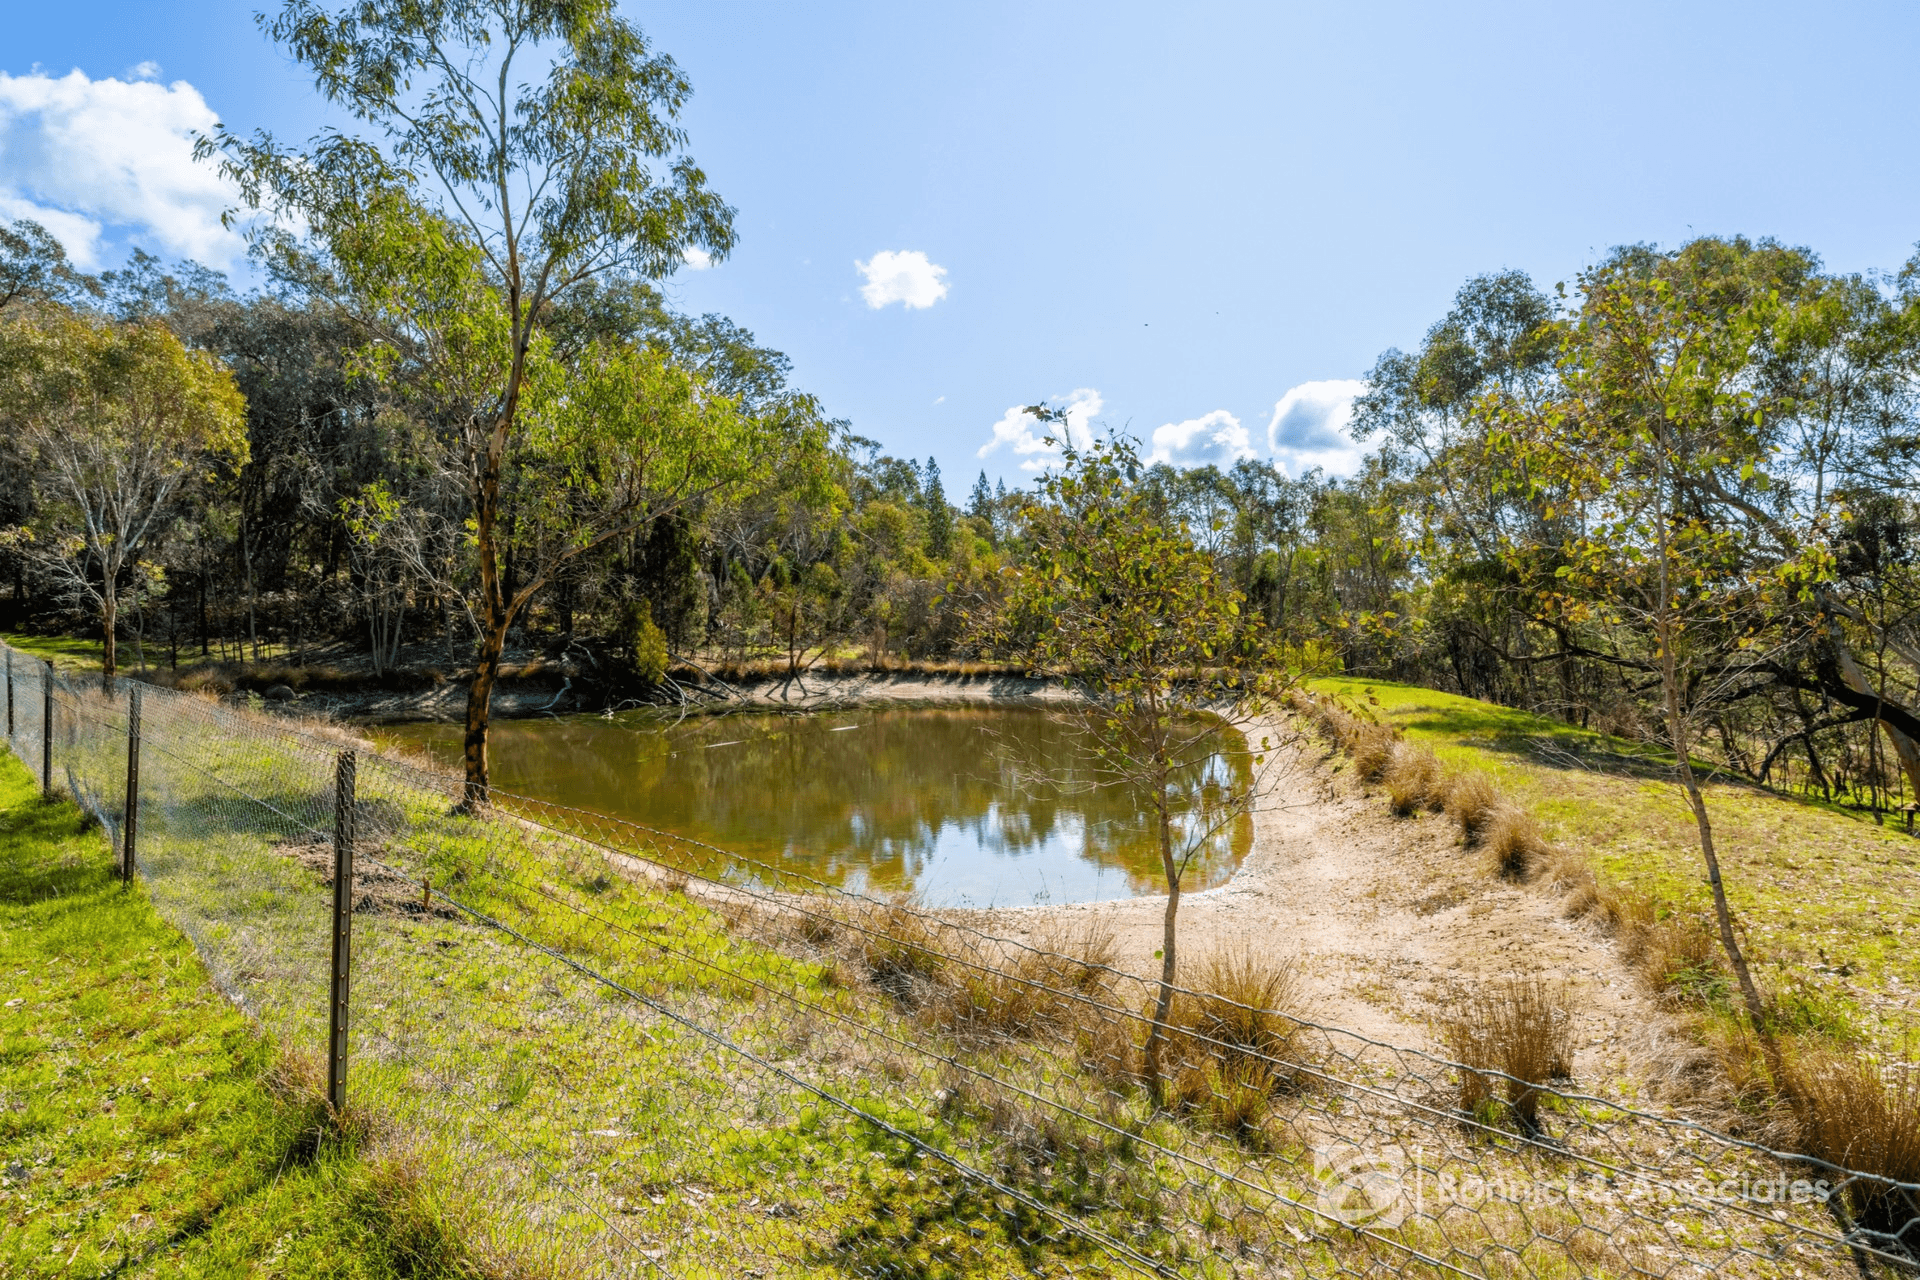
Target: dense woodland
[{"x": 1454, "y": 559}]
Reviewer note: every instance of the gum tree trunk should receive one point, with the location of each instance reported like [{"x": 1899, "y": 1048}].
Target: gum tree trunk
[{"x": 1163, "y": 1003}]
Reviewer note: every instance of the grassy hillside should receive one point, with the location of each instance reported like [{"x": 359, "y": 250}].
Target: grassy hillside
[
  {"x": 1829, "y": 899},
  {"x": 65, "y": 652},
  {"x": 146, "y": 1129}
]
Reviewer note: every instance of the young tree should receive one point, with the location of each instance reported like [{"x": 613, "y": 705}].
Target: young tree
[
  {"x": 514, "y": 142},
  {"x": 1661, "y": 400},
  {"x": 1121, "y": 605},
  {"x": 117, "y": 418}
]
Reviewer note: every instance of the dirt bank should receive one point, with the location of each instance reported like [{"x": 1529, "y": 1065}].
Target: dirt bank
[
  {"x": 557, "y": 692},
  {"x": 1386, "y": 913}
]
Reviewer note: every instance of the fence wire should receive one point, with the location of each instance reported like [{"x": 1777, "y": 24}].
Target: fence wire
[{"x": 620, "y": 1052}]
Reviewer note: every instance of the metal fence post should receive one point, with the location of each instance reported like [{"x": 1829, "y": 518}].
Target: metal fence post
[
  {"x": 343, "y": 785},
  {"x": 46, "y": 732},
  {"x": 9, "y": 695},
  {"x": 130, "y": 819}
]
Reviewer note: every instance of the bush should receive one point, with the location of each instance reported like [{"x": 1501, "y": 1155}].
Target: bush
[{"x": 1521, "y": 1028}]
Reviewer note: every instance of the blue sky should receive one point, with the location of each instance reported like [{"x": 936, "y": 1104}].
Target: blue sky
[{"x": 1199, "y": 223}]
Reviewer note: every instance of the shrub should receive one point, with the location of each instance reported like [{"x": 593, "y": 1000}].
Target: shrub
[{"x": 1520, "y": 1028}]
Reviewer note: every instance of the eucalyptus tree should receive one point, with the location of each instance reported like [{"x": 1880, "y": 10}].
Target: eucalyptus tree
[
  {"x": 117, "y": 420},
  {"x": 1123, "y": 606},
  {"x": 514, "y": 152},
  {"x": 34, "y": 269},
  {"x": 1654, "y": 445}
]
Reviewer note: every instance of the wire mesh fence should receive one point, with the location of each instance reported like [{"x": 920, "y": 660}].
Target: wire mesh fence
[{"x": 616, "y": 1051}]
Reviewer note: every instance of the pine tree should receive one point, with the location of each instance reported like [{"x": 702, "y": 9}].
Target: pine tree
[
  {"x": 980, "y": 501},
  {"x": 939, "y": 514}
]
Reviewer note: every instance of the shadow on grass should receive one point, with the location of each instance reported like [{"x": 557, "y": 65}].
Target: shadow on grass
[
  {"x": 286, "y": 814},
  {"x": 1523, "y": 735},
  {"x": 42, "y": 855},
  {"x": 911, "y": 1233}
]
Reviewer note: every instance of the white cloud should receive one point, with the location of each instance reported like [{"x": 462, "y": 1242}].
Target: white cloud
[
  {"x": 1216, "y": 438},
  {"x": 148, "y": 70},
  {"x": 1309, "y": 428},
  {"x": 696, "y": 258},
  {"x": 1025, "y": 434},
  {"x": 78, "y": 234},
  {"x": 905, "y": 277},
  {"x": 84, "y": 157}
]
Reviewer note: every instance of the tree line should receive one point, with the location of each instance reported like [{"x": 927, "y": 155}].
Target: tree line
[{"x": 459, "y": 420}]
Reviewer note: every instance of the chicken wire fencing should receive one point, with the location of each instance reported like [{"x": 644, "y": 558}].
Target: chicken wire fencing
[{"x": 619, "y": 1052}]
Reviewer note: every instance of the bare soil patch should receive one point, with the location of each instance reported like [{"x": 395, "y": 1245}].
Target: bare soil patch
[
  {"x": 1387, "y": 915},
  {"x": 375, "y": 889}
]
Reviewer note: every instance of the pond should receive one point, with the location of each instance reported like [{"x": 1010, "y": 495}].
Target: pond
[{"x": 964, "y": 806}]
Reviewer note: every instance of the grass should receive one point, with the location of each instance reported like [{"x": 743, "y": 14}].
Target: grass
[
  {"x": 1828, "y": 900},
  {"x": 589, "y": 1129},
  {"x": 65, "y": 652},
  {"x": 579, "y": 1129},
  {"x": 1519, "y": 1027},
  {"x": 146, "y": 1127},
  {"x": 1853, "y": 1112}
]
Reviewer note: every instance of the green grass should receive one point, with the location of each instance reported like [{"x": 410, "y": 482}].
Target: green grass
[
  {"x": 65, "y": 652},
  {"x": 144, "y": 1130},
  {"x": 1829, "y": 900},
  {"x": 579, "y": 1125}
]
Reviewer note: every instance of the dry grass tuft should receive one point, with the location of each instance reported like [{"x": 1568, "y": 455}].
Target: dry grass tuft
[
  {"x": 1373, "y": 748},
  {"x": 1372, "y": 745},
  {"x": 1674, "y": 956},
  {"x": 1472, "y": 803},
  {"x": 1850, "y": 1111},
  {"x": 817, "y": 929},
  {"x": 1521, "y": 1028},
  {"x": 1236, "y": 1040},
  {"x": 902, "y": 948},
  {"x": 1573, "y": 875},
  {"x": 1413, "y": 780},
  {"x": 1028, "y": 993},
  {"x": 1513, "y": 843}
]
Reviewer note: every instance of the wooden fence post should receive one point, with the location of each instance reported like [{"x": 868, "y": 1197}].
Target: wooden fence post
[
  {"x": 343, "y": 786},
  {"x": 46, "y": 732},
  {"x": 130, "y": 818}
]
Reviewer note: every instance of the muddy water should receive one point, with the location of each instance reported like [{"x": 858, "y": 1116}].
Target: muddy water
[{"x": 987, "y": 806}]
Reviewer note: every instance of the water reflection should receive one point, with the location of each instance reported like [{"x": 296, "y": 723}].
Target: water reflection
[{"x": 988, "y": 806}]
